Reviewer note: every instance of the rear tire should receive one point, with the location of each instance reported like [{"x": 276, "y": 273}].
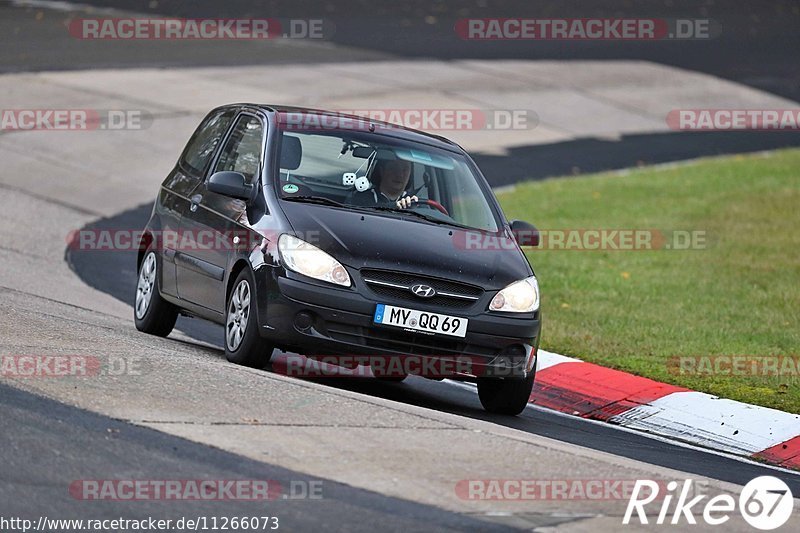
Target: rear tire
[
  {"x": 243, "y": 344},
  {"x": 505, "y": 396},
  {"x": 151, "y": 313}
]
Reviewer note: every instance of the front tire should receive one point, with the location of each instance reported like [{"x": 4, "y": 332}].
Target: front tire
[
  {"x": 243, "y": 344},
  {"x": 151, "y": 313},
  {"x": 505, "y": 396}
]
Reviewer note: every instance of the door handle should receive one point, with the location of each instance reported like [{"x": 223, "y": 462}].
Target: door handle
[{"x": 195, "y": 200}]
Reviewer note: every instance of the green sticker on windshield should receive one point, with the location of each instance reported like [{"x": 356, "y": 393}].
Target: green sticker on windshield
[{"x": 290, "y": 188}]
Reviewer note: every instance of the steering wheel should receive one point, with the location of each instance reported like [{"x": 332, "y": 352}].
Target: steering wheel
[{"x": 433, "y": 204}]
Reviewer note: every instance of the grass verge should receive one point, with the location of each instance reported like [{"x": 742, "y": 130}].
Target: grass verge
[{"x": 730, "y": 307}]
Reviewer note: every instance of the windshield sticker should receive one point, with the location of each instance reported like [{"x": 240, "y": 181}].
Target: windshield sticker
[{"x": 290, "y": 188}]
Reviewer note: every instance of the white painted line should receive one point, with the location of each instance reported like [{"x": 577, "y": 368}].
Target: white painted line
[
  {"x": 707, "y": 420},
  {"x": 56, "y": 5},
  {"x": 666, "y": 440},
  {"x": 547, "y": 359},
  {"x": 651, "y": 436}
]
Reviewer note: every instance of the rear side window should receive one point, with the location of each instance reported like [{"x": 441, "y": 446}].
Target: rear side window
[{"x": 203, "y": 144}]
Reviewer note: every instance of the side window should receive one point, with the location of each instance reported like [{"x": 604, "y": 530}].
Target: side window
[
  {"x": 204, "y": 142},
  {"x": 242, "y": 152}
]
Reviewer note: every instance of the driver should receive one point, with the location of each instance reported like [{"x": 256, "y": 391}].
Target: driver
[{"x": 389, "y": 181}]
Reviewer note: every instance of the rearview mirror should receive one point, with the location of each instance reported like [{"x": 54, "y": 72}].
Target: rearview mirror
[
  {"x": 526, "y": 234},
  {"x": 231, "y": 184},
  {"x": 362, "y": 152}
]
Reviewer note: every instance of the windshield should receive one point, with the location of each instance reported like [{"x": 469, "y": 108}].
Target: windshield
[{"x": 366, "y": 171}]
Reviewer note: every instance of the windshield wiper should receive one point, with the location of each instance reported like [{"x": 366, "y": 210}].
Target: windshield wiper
[
  {"x": 314, "y": 200},
  {"x": 415, "y": 213},
  {"x": 327, "y": 201}
]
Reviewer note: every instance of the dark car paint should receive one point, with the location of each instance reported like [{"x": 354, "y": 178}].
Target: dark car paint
[
  {"x": 202, "y": 278},
  {"x": 359, "y": 239}
]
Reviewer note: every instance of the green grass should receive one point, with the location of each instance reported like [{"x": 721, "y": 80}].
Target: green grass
[{"x": 638, "y": 310}]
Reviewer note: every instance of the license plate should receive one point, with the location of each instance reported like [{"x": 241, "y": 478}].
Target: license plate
[{"x": 411, "y": 319}]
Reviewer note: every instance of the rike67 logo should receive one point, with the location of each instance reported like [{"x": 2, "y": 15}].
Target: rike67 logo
[{"x": 765, "y": 503}]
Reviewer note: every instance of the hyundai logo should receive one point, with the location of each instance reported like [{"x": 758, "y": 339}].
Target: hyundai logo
[{"x": 424, "y": 291}]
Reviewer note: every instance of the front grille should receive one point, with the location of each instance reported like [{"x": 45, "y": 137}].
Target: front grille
[{"x": 397, "y": 285}]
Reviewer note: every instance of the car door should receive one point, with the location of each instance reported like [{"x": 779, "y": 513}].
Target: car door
[
  {"x": 176, "y": 190},
  {"x": 214, "y": 222}
]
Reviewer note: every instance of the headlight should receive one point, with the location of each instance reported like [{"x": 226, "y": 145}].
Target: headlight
[
  {"x": 519, "y": 297},
  {"x": 308, "y": 260}
]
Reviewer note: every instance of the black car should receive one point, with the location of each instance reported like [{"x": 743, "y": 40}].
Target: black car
[{"x": 333, "y": 235}]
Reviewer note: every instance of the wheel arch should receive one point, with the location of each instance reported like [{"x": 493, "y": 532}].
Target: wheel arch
[
  {"x": 235, "y": 270},
  {"x": 144, "y": 244}
]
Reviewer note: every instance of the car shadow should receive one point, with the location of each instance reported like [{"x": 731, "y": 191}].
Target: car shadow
[{"x": 581, "y": 156}]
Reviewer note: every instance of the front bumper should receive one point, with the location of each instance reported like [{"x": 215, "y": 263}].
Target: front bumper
[{"x": 317, "y": 319}]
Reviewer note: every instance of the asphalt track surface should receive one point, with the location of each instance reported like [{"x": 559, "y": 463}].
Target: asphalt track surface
[
  {"x": 51, "y": 439},
  {"x": 114, "y": 272},
  {"x": 758, "y": 47}
]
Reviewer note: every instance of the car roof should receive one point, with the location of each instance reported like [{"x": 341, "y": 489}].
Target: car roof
[{"x": 392, "y": 130}]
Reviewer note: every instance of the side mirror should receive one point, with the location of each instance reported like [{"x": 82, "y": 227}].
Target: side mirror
[
  {"x": 231, "y": 184},
  {"x": 526, "y": 234}
]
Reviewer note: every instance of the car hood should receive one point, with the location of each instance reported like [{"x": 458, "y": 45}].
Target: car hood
[{"x": 361, "y": 239}]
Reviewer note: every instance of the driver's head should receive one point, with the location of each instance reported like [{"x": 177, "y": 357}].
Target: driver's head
[{"x": 393, "y": 176}]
